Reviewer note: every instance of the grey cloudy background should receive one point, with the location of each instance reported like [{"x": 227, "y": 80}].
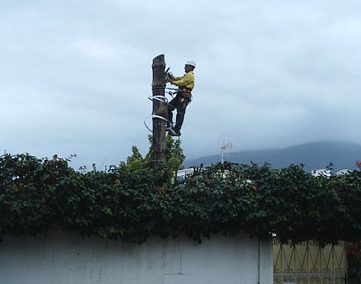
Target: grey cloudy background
[{"x": 75, "y": 75}]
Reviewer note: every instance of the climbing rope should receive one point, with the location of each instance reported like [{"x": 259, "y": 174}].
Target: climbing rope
[
  {"x": 169, "y": 91},
  {"x": 146, "y": 125},
  {"x": 161, "y": 99},
  {"x": 154, "y": 116}
]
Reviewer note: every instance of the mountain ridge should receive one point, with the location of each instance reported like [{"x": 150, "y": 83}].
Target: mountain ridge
[{"x": 312, "y": 155}]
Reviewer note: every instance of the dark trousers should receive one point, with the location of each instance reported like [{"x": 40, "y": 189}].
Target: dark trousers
[{"x": 180, "y": 103}]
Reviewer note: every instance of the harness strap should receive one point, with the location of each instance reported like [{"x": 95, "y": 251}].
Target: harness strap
[{"x": 186, "y": 93}]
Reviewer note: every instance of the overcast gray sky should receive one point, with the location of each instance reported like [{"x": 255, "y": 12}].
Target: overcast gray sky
[{"x": 75, "y": 75}]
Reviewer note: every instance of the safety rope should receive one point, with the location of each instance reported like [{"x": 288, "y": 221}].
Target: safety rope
[
  {"x": 166, "y": 88},
  {"x": 160, "y": 117},
  {"x": 170, "y": 91},
  {"x": 161, "y": 99},
  {"x": 155, "y": 116},
  {"x": 146, "y": 125}
]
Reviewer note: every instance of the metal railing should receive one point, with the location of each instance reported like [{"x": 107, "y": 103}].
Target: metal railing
[{"x": 308, "y": 263}]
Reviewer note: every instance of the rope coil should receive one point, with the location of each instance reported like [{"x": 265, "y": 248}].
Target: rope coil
[
  {"x": 155, "y": 116},
  {"x": 160, "y": 117},
  {"x": 161, "y": 99}
]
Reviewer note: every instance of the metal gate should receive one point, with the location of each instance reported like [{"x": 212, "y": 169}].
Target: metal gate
[{"x": 308, "y": 263}]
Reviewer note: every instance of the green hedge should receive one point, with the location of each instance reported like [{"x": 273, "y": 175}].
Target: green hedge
[{"x": 132, "y": 204}]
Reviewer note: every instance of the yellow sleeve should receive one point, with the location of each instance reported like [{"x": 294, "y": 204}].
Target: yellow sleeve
[{"x": 182, "y": 81}]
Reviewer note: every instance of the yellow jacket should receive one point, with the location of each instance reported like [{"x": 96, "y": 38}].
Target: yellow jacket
[{"x": 186, "y": 81}]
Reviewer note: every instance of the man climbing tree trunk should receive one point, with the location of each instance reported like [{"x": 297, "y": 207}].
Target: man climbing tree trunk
[{"x": 183, "y": 98}]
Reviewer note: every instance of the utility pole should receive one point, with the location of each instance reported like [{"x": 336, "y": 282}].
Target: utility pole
[{"x": 160, "y": 112}]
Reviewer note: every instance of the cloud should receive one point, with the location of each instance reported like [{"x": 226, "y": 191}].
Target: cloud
[
  {"x": 75, "y": 75},
  {"x": 93, "y": 49}
]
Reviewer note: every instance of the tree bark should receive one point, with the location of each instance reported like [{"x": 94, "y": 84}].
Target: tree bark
[{"x": 160, "y": 109}]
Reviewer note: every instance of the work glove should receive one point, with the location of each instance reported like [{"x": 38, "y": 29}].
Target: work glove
[{"x": 170, "y": 77}]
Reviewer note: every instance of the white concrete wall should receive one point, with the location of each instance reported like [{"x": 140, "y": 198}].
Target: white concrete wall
[{"x": 65, "y": 258}]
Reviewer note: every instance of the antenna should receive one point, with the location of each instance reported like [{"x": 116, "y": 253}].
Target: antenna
[{"x": 224, "y": 147}]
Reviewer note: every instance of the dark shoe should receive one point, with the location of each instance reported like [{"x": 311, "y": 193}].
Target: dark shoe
[
  {"x": 173, "y": 132},
  {"x": 177, "y": 132}
]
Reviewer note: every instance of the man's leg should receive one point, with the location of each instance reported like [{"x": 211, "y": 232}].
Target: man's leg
[
  {"x": 181, "y": 110},
  {"x": 171, "y": 107}
]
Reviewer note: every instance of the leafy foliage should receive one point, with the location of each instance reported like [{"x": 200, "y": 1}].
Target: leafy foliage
[
  {"x": 174, "y": 158},
  {"x": 132, "y": 202}
]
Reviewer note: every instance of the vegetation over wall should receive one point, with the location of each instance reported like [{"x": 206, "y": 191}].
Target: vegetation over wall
[{"x": 131, "y": 202}]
